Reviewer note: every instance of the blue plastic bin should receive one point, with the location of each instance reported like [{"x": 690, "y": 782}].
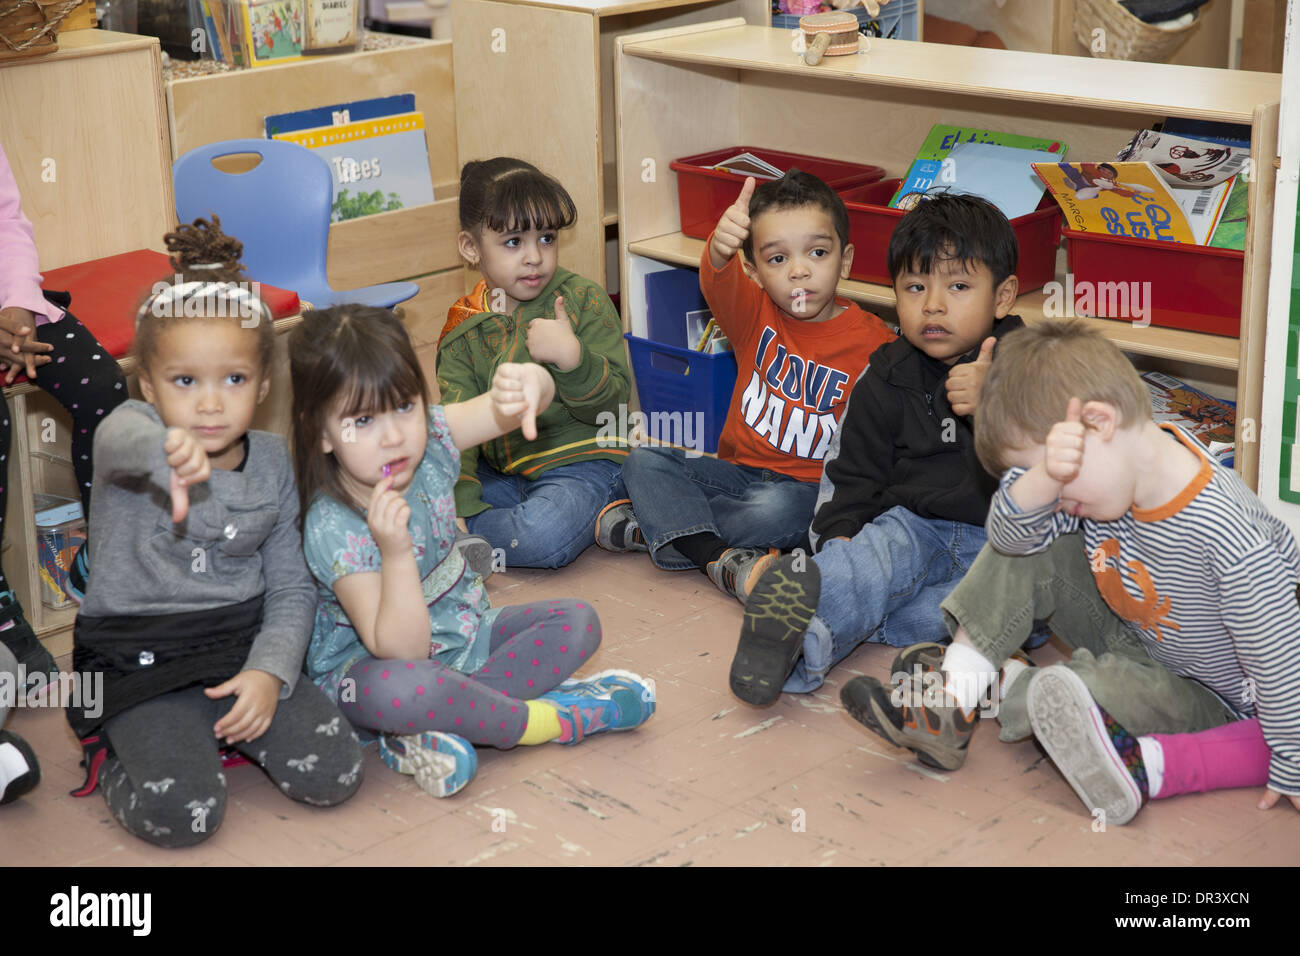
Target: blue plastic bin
[
  {"x": 898, "y": 20},
  {"x": 671, "y": 379}
]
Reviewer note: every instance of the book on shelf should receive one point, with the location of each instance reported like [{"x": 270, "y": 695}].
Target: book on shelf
[
  {"x": 331, "y": 27},
  {"x": 1229, "y": 134},
  {"x": 378, "y": 164},
  {"x": 271, "y": 31},
  {"x": 1212, "y": 421},
  {"x": 1230, "y": 233},
  {"x": 1132, "y": 199},
  {"x": 747, "y": 164},
  {"x": 935, "y": 166},
  {"x": 1185, "y": 162},
  {"x": 337, "y": 114}
]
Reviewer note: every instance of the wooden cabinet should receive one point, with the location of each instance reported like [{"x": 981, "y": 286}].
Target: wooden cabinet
[
  {"x": 723, "y": 83},
  {"x": 535, "y": 79}
]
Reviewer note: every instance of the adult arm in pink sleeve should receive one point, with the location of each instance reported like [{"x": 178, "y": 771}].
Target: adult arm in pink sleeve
[{"x": 20, "y": 276}]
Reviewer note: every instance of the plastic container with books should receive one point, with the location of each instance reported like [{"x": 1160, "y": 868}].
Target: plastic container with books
[
  {"x": 872, "y": 222},
  {"x": 1195, "y": 288},
  {"x": 704, "y": 193},
  {"x": 60, "y": 530},
  {"x": 677, "y": 383}
]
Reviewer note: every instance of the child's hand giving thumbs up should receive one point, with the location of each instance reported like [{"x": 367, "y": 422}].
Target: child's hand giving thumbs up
[
  {"x": 733, "y": 228},
  {"x": 965, "y": 380}
]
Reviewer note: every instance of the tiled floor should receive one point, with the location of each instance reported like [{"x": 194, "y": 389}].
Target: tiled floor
[{"x": 708, "y": 780}]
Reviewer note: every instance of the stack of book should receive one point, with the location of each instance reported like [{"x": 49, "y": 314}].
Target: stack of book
[{"x": 256, "y": 33}]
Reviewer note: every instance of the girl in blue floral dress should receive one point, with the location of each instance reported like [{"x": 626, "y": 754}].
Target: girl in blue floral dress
[{"x": 405, "y": 639}]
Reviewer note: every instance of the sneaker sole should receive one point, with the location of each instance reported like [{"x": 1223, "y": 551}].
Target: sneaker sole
[
  {"x": 439, "y": 772},
  {"x": 777, "y": 615},
  {"x": 1066, "y": 723},
  {"x": 867, "y": 710}
]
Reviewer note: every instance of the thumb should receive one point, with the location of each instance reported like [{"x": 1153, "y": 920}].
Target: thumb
[
  {"x": 986, "y": 350},
  {"x": 746, "y": 192},
  {"x": 221, "y": 690},
  {"x": 180, "y": 499},
  {"x": 559, "y": 308},
  {"x": 1073, "y": 411},
  {"x": 528, "y": 422}
]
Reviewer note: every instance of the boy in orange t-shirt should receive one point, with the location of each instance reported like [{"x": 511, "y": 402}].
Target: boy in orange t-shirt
[{"x": 800, "y": 348}]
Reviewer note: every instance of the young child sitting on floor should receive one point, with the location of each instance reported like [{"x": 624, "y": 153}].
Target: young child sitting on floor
[
  {"x": 903, "y": 499},
  {"x": 799, "y": 348},
  {"x": 1173, "y": 584}
]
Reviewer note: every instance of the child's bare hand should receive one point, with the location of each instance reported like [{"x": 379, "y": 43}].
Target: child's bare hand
[
  {"x": 387, "y": 517},
  {"x": 18, "y": 346},
  {"x": 1271, "y": 797},
  {"x": 733, "y": 228},
  {"x": 520, "y": 392},
  {"x": 553, "y": 340},
  {"x": 965, "y": 380},
  {"x": 258, "y": 693},
  {"x": 190, "y": 466},
  {"x": 1064, "y": 452}
]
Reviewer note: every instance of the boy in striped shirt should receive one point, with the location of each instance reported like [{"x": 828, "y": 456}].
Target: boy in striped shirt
[{"x": 1162, "y": 570}]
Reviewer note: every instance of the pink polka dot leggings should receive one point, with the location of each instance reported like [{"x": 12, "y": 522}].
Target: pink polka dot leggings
[{"x": 534, "y": 647}]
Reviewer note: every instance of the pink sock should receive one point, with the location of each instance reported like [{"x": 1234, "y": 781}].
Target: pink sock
[{"x": 1233, "y": 755}]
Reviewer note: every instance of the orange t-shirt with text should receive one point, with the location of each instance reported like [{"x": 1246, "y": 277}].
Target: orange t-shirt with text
[{"x": 794, "y": 377}]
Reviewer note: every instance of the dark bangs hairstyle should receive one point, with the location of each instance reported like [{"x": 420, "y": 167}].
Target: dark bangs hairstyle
[
  {"x": 797, "y": 188},
  {"x": 359, "y": 354},
  {"x": 202, "y": 253},
  {"x": 944, "y": 227},
  {"x": 510, "y": 195}
]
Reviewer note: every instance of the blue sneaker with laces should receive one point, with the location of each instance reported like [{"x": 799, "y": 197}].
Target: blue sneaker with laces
[
  {"x": 612, "y": 700},
  {"x": 442, "y": 764}
]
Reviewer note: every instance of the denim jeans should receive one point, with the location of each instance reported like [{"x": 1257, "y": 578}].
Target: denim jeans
[
  {"x": 1003, "y": 595},
  {"x": 884, "y": 585},
  {"x": 548, "y": 522},
  {"x": 674, "y": 495}
]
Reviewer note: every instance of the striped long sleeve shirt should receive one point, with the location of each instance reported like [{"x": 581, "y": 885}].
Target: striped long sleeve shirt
[{"x": 1207, "y": 580}]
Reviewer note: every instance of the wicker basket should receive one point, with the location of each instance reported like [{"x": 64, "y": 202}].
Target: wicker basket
[
  {"x": 28, "y": 27},
  {"x": 1127, "y": 37}
]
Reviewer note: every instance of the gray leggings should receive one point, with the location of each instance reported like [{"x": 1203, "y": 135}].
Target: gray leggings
[
  {"x": 534, "y": 647},
  {"x": 164, "y": 781}
]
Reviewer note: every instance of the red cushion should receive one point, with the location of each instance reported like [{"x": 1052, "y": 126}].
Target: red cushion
[{"x": 107, "y": 293}]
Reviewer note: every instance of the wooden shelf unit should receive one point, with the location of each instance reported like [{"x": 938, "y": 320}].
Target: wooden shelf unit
[
  {"x": 535, "y": 79},
  {"x": 709, "y": 86}
]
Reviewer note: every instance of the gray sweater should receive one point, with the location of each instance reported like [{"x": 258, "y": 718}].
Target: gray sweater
[{"x": 239, "y": 540}]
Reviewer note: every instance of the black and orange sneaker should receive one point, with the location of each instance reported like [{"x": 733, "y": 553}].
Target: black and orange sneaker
[
  {"x": 617, "y": 529},
  {"x": 738, "y": 570},
  {"x": 917, "y": 714},
  {"x": 778, "y": 610}
]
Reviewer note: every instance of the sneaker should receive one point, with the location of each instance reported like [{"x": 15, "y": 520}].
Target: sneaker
[
  {"x": 477, "y": 552},
  {"x": 1098, "y": 758},
  {"x": 18, "y": 766},
  {"x": 442, "y": 764},
  {"x": 612, "y": 700},
  {"x": 617, "y": 529},
  {"x": 777, "y": 613},
  {"x": 928, "y": 656},
  {"x": 738, "y": 570},
  {"x": 78, "y": 572},
  {"x": 22, "y": 640},
  {"x": 937, "y": 731}
]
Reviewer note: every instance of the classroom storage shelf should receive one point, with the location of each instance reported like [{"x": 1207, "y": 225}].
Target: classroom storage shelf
[{"x": 705, "y": 86}]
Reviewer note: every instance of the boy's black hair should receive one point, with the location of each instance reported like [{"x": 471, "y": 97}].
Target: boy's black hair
[
  {"x": 947, "y": 226},
  {"x": 797, "y": 188},
  {"x": 510, "y": 195}
]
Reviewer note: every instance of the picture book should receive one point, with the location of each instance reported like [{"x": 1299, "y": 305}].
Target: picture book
[
  {"x": 272, "y": 31},
  {"x": 939, "y": 144},
  {"x": 1229, "y": 134},
  {"x": 1230, "y": 233},
  {"x": 1131, "y": 199},
  {"x": 331, "y": 26},
  {"x": 338, "y": 114},
  {"x": 1211, "y": 420},
  {"x": 379, "y": 164},
  {"x": 1185, "y": 162},
  {"x": 1003, "y": 175}
]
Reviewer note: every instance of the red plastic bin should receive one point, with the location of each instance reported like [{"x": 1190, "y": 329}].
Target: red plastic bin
[
  {"x": 704, "y": 193},
  {"x": 1195, "y": 288},
  {"x": 872, "y": 222}
]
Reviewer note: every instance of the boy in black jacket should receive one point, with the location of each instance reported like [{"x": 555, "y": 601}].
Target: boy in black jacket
[{"x": 900, "y": 513}]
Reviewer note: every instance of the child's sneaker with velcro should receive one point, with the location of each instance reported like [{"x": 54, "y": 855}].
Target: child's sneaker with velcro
[
  {"x": 442, "y": 764},
  {"x": 738, "y": 570},
  {"x": 617, "y": 529},
  {"x": 1098, "y": 758},
  {"x": 612, "y": 700},
  {"x": 917, "y": 714}
]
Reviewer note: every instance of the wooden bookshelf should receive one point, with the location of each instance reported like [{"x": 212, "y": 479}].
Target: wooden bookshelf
[{"x": 725, "y": 83}]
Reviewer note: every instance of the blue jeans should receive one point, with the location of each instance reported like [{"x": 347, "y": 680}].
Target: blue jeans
[
  {"x": 884, "y": 586},
  {"x": 548, "y": 522},
  {"x": 674, "y": 495}
]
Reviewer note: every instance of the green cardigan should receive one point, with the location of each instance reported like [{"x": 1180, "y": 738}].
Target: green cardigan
[{"x": 567, "y": 431}]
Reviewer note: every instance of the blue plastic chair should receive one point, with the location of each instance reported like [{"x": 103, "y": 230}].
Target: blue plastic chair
[{"x": 280, "y": 211}]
